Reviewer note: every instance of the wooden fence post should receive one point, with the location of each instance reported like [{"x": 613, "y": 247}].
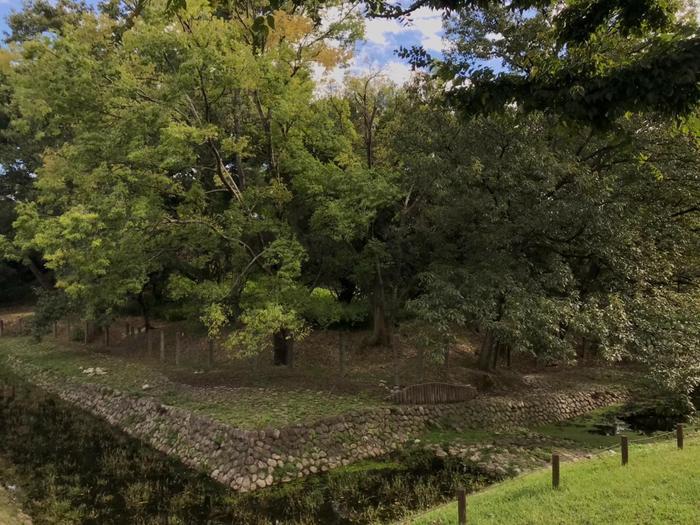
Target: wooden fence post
[
  {"x": 177, "y": 347},
  {"x": 555, "y": 471},
  {"x": 162, "y": 346},
  {"x": 679, "y": 435},
  {"x": 624, "y": 445},
  {"x": 341, "y": 357},
  {"x": 210, "y": 352},
  {"x": 461, "y": 506}
]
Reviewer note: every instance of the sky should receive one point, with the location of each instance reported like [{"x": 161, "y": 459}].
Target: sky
[
  {"x": 376, "y": 53},
  {"x": 384, "y": 36}
]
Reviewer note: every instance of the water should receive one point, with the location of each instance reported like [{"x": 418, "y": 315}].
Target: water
[{"x": 74, "y": 468}]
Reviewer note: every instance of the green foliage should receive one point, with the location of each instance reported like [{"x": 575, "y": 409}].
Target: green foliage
[
  {"x": 261, "y": 324},
  {"x": 178, "y": 154}
]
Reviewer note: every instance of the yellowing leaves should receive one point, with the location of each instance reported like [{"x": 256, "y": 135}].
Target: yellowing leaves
[
  {"x": 291, "y": 27},
  {"x": 329, "y": 57}
]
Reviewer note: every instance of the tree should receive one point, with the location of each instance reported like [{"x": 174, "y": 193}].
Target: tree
[
  {"x": 177, "y": 144},
  {"x": 591, "y": 60},
  {"x": 549, "y": 237}
]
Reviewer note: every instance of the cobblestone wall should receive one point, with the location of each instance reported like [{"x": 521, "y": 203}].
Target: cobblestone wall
[{"x": 249, "y": 459}]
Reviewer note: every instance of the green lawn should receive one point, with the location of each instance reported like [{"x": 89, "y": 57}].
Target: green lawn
[
  {"x": 242, "y": 407},
  {"x": 660, "y": 485}
]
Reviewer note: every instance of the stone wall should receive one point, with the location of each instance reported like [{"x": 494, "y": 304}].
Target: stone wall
[{"x": 249, "y": 459}]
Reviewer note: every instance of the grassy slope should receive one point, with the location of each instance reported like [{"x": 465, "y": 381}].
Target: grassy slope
[
  {"x": 660, "y": 485},
  {"x": 9, "y": 512},
  {"x": 240, "y": 407}
]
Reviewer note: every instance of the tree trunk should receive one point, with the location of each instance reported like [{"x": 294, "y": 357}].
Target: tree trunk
[
  {"x": 381, "y": 328},
  {"x": 486, "y": 353},
  {"x": 42, "y": 278},
  {"x": 283, "y": 345},
  {"x": 347, "y": 290},
  {"x": 381, "y": 334},
  {"x": 144, "y": 310}
]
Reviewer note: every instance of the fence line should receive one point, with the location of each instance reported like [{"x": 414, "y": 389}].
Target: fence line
[
  {"x": 179, "y": 348},
  {"x": 556, "y": 474},
  {"x": 679, "y": 433}
]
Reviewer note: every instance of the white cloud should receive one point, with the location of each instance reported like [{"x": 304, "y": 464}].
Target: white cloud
[
  {"x": 378, "y": 29},
  {"x": 429, "y": 23},
  {"x": 397, "y": 72},
  {"x": 424, "y": 20},
  {"x": 381, "y": 38}
]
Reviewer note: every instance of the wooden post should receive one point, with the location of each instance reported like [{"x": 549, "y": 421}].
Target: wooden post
[
  {"x": 679, "y": 435},
  {"x": 162, "y": 346},
  {"x": 85, "y": 336},
  {"x": 342, "y": 354},
  {"x": 127, "y": 330},
  {"x": 555, "y": 471},
  {"x": 21, "y": 326},
  {"x": 210, "y": 352},
  {"x": 461, "y": 506},
  {"x": 624, "y": 445},
  {"x": 395, "y": 354},
  {"x": 106, "y": 335},
  {"x": 177, "y": 348}
]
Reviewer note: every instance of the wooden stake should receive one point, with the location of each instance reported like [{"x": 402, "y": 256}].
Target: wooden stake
[
  {"x": 461, "y": 506},
  {"x": 624, "y": 445},
  {"x": 342, "y": 354},
  {"x": 679, "y": 436},
  {"x": 555, "y": 471},
  {"x": 210, "y": 353},
  {"x": 177, "y": 348}
]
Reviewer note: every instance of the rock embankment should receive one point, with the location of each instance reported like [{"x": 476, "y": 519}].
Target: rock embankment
[{"x": 246, "y": 460}]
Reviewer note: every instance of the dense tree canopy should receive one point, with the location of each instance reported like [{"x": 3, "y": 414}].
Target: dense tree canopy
[
  {"x": 592, "y": 60},
  {"x": 177, "y": 155}
]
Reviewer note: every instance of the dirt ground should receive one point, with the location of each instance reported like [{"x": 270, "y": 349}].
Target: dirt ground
[{"x": 372, "y": 371}]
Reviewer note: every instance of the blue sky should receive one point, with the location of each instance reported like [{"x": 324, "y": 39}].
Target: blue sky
[
  {"x": 384, "y": 37},
  {"x": 6, "y": 7}
]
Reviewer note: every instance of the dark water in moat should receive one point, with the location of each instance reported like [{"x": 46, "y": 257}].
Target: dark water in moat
[{"x": 74, "y": 468}]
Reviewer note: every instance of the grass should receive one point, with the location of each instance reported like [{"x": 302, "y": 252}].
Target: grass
[
  {"x": 10, "y": 514},
  {"x": 467, "y": 437},
  {"x": 658, "y": 486},
  {"x": 243, "y": 407}
]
